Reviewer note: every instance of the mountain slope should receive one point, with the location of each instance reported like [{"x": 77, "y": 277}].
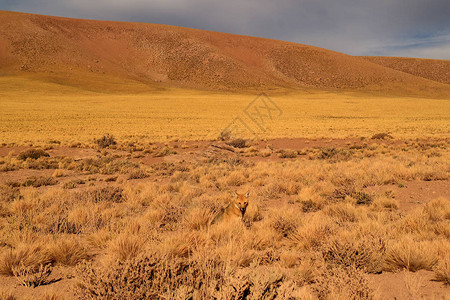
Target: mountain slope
[
  {"x": 433, "y": 69},
  {"x": 107, "y": 55}
]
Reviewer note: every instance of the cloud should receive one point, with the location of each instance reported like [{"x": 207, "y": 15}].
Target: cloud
[{"x": 359, "y": 27}]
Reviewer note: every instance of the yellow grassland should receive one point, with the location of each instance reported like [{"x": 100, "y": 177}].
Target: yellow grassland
[{"x": 33, "y": 110}]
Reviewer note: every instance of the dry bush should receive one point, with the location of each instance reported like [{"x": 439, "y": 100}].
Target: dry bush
[
  {"x": 224, "y": 135},
  {"x": 106, "y": 194},
  {"x": 334, "y": 154},
  {"x": 32, "y": 276},
  {"x": 237, "y": 143},
  {"x": 442, "y": 270},
  {"x": 287, "y": 154},
  {"x": 364, "y": 253},
  {"x": 165, "y": 152},
  {"x": 105, "y": 141},
  {"x": 156, "y": 276},
  {"x": 285, "y": 226},
  {"x": 146, "y": 277},
  {"x": 138, "y": 174},
  {"x": 9, "y": 193},
  {"x": 73, "y": 183},
  {"x": 32, "y": 154},
  {"x": 410, "y": 255},
  {"x": 24, "y": 256},
  {"x": 381, "y": 136},
  {"x": 39, "y": 181},
  {"x": 362, "y": 198},
  {"x": 340, "y": 283}
]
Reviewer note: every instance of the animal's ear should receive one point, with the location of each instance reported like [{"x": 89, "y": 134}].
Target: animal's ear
[
  {"x": 235, "y": 195},
  {"x": 247, "y": 195}
]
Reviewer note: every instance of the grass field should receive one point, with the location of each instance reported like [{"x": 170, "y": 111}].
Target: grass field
[
  {"x": 33, "y": 111},
  {"x": 354, "y": 206}
]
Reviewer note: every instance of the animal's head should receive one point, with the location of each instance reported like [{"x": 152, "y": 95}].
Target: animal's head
[{"x": 241, "y": 201}]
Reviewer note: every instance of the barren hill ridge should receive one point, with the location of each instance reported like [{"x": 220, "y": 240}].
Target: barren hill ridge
[{"x": 107, "y": 54}]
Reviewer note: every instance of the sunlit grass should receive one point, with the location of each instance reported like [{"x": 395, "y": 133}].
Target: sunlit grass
[{"x": 34, "y": 111}]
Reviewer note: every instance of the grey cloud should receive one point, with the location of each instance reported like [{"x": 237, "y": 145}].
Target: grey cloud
[{"x": 357, "y": 27}]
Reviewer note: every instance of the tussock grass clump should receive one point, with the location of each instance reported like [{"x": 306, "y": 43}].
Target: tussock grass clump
[
  {"x": 410, "y": 255},
  {"x": 343, "y": 212},
  {"x": 26, "y": 257},
  {"x": 442, "y": 270},
  {"x": 126, "y": 247},
  {"x": 68, "y": 251},
  {"x": 32, "y": 154}
]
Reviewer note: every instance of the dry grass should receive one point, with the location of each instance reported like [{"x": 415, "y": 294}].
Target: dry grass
[
  {"x": 442, "y": 270},
  {"x": 35, "y": 105},
  {"x": 311, "y": 230}
]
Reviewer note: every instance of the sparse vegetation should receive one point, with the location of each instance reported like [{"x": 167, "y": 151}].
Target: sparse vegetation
[
  {"x": 317, "y": 225},
  {"x": 32, "y": 154},
  {"x": 106, "y": 141}
]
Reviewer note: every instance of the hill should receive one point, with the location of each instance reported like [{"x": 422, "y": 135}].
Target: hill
[
  {"x": 105, "y": 55},
  {"x": 433, "y": 69}
]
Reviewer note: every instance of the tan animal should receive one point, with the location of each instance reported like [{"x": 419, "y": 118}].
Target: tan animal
[{"x": 234, "y": 210}]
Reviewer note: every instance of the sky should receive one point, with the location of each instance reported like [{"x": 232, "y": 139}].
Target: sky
[{"x": 407, "y": 28}]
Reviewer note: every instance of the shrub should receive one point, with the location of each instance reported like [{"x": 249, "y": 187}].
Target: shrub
[
  {"x": 366, "y": 253},
  {"x": 105, "y": 141},
  {"x": 310, "y": 206},
  {"x": 287, "y": 154},
  {"x": 39, "y": 181},
  {"x": 237, "y": 143},
  {"x": 340, "y": 283},
  {"x": 224, "y": 135},
  {"x": 9, "y": 193},
  {"x": 32, "y": 154},
  {"x": 138, "y": 174},
  {"x": 363, "y": 198},
  {"x": 164, "y": 152},
  {"x": 32, "y": 276},
  {"x": 107, "y": 194},
  {"x": 381, "y": 136}
]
